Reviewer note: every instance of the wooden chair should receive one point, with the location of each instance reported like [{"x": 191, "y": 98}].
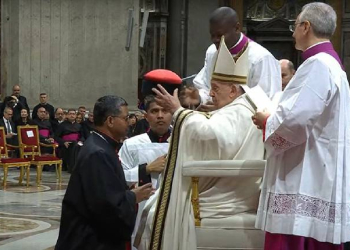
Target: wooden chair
[
  {"x": 6, "y": 162},
  {"x": 29, "y": 146}
]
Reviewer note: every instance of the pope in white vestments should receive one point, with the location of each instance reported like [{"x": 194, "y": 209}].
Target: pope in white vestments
[
  {"x": 264, "y": 69},
  {"x": 224, "y": 134},
  {"x": 305, "y": 198}
]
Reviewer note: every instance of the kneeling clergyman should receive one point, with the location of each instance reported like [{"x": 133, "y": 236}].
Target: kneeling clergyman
[
  {"x": 224, "y": 134},
  {"x": 305, "y": 197}
]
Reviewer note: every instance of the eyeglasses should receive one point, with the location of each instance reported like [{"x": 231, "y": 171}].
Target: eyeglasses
[{"x": 293, "y": 26}]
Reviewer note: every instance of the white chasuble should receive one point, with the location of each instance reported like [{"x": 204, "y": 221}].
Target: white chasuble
[
  {"x": 225, "y": 134},
  {"x": 306, "y": 187}
]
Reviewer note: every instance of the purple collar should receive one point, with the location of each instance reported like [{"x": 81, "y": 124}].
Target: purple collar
[
  {"x": 326, "y": 47},
  {"x": 240, "y": 45}
]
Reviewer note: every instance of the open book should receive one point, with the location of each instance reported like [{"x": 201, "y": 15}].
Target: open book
[{"x": 259, "y": 100}]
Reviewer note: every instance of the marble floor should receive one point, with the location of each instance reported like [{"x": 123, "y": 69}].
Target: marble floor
[{"x": 30, "y": 217}]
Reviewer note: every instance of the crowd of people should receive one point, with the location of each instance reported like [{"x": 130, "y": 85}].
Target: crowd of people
[{"x": 68, "y": 128}]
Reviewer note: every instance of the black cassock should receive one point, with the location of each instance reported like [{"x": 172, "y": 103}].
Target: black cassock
[
  {"x": 44, "y": 124},
  {"x": 98, "y": 210},
  {"x": 69, "y": 154}
]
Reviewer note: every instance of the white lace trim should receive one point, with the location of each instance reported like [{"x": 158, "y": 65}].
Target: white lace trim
[
  {"x": 297, "y": 204},
  {"x": 280, "y": 143}
]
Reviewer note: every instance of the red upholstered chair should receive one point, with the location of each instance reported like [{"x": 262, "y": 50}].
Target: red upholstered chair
[
  {"x": 6, "y": 162},
  {"x": 28, "y": 137}
]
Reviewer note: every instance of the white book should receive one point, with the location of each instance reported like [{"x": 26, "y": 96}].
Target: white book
[{"x": 259, "y": 100}]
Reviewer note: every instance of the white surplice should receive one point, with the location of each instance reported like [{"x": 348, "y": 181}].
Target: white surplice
[
  {"x": 228, "y": 134},
  {"x": 135, "y": 151},
  {"x": 306, "y": 187},
  {"x": 264, "y": 70},
  {"x": 139, "y": 150}
]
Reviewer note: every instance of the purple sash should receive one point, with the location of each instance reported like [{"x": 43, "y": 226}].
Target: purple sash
[
  {"x": 238, "y": 47},
  {"x": 326, "y": 47},
  {"x": 71, "y": 137},
  {"x": 44, "y": 132}
]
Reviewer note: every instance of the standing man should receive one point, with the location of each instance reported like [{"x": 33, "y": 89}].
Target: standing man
[
  {"x": 98, "y": 210},
  {"x": 43, "y": 103},
  {"x": 16, "y": 91},
  {"x": 305, "y": 197},
  {"x": 287, "y": 72},
  {"x": 143, "y": 156},
  {"x": 264, "y": 69}
]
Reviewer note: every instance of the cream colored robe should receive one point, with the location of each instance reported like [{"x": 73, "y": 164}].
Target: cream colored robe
[{"x": 227, "y": 134}]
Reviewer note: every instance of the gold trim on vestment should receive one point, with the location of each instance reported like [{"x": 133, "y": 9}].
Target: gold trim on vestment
[
  {"x": 229, "y": 78},
  {"x": 165, "y": 189}
]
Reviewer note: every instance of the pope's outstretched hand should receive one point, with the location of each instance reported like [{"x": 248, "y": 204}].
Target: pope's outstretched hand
[{"x": 167, "y": 101}]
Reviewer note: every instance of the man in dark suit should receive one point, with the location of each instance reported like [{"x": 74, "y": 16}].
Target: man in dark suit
[
  {"x": 10, "y": 128},
  {"x": 98, "y": 210},
  {"x": 21, "y": 100},
  {"x": 43, "y": 103}
]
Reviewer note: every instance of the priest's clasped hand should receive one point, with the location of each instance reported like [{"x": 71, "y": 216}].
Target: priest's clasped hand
[
  {"x": 259, "y": 119},
  {"x": 167, "y": 101},
  {"x": 144, "y": 192}
]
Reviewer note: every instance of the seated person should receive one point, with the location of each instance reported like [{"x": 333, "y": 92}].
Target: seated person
[
  {"x": 79, "y": 119},
  {"x": 16, "y": 106},
  {"x": 223, "y": 134},
  {"x": 59, "y": 118},
  {"x": 132, "y": 120},
  {"x": 10, "y": 127},
  {"x": 25, "y": 119},
  {"x": 46, "y": 134},
  {"x": 141, "y": 126},
  {"x": 69, "y": 136},
  {"x": 88, "y": 125}
]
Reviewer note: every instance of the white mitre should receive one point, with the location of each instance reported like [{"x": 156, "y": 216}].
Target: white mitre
[{"x": 226, "y": 69}]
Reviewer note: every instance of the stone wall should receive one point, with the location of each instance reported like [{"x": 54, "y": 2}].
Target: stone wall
[{"x": 72, "y": 50}]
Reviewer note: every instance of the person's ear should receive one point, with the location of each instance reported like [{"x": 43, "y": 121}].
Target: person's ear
[
  {"x": 110, "y": 121},
  {"x": 238, "y": 27},
  {"x": 233, "y": 91},
  {"x": 307, "y": 26}
]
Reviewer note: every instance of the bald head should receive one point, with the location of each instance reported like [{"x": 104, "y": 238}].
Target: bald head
[
  {"x": 287, "y": 71},
  {"x": 224, "y": 15},
  {"x": 224, "y": 22},
  {"x": 16, "y": 90}
]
